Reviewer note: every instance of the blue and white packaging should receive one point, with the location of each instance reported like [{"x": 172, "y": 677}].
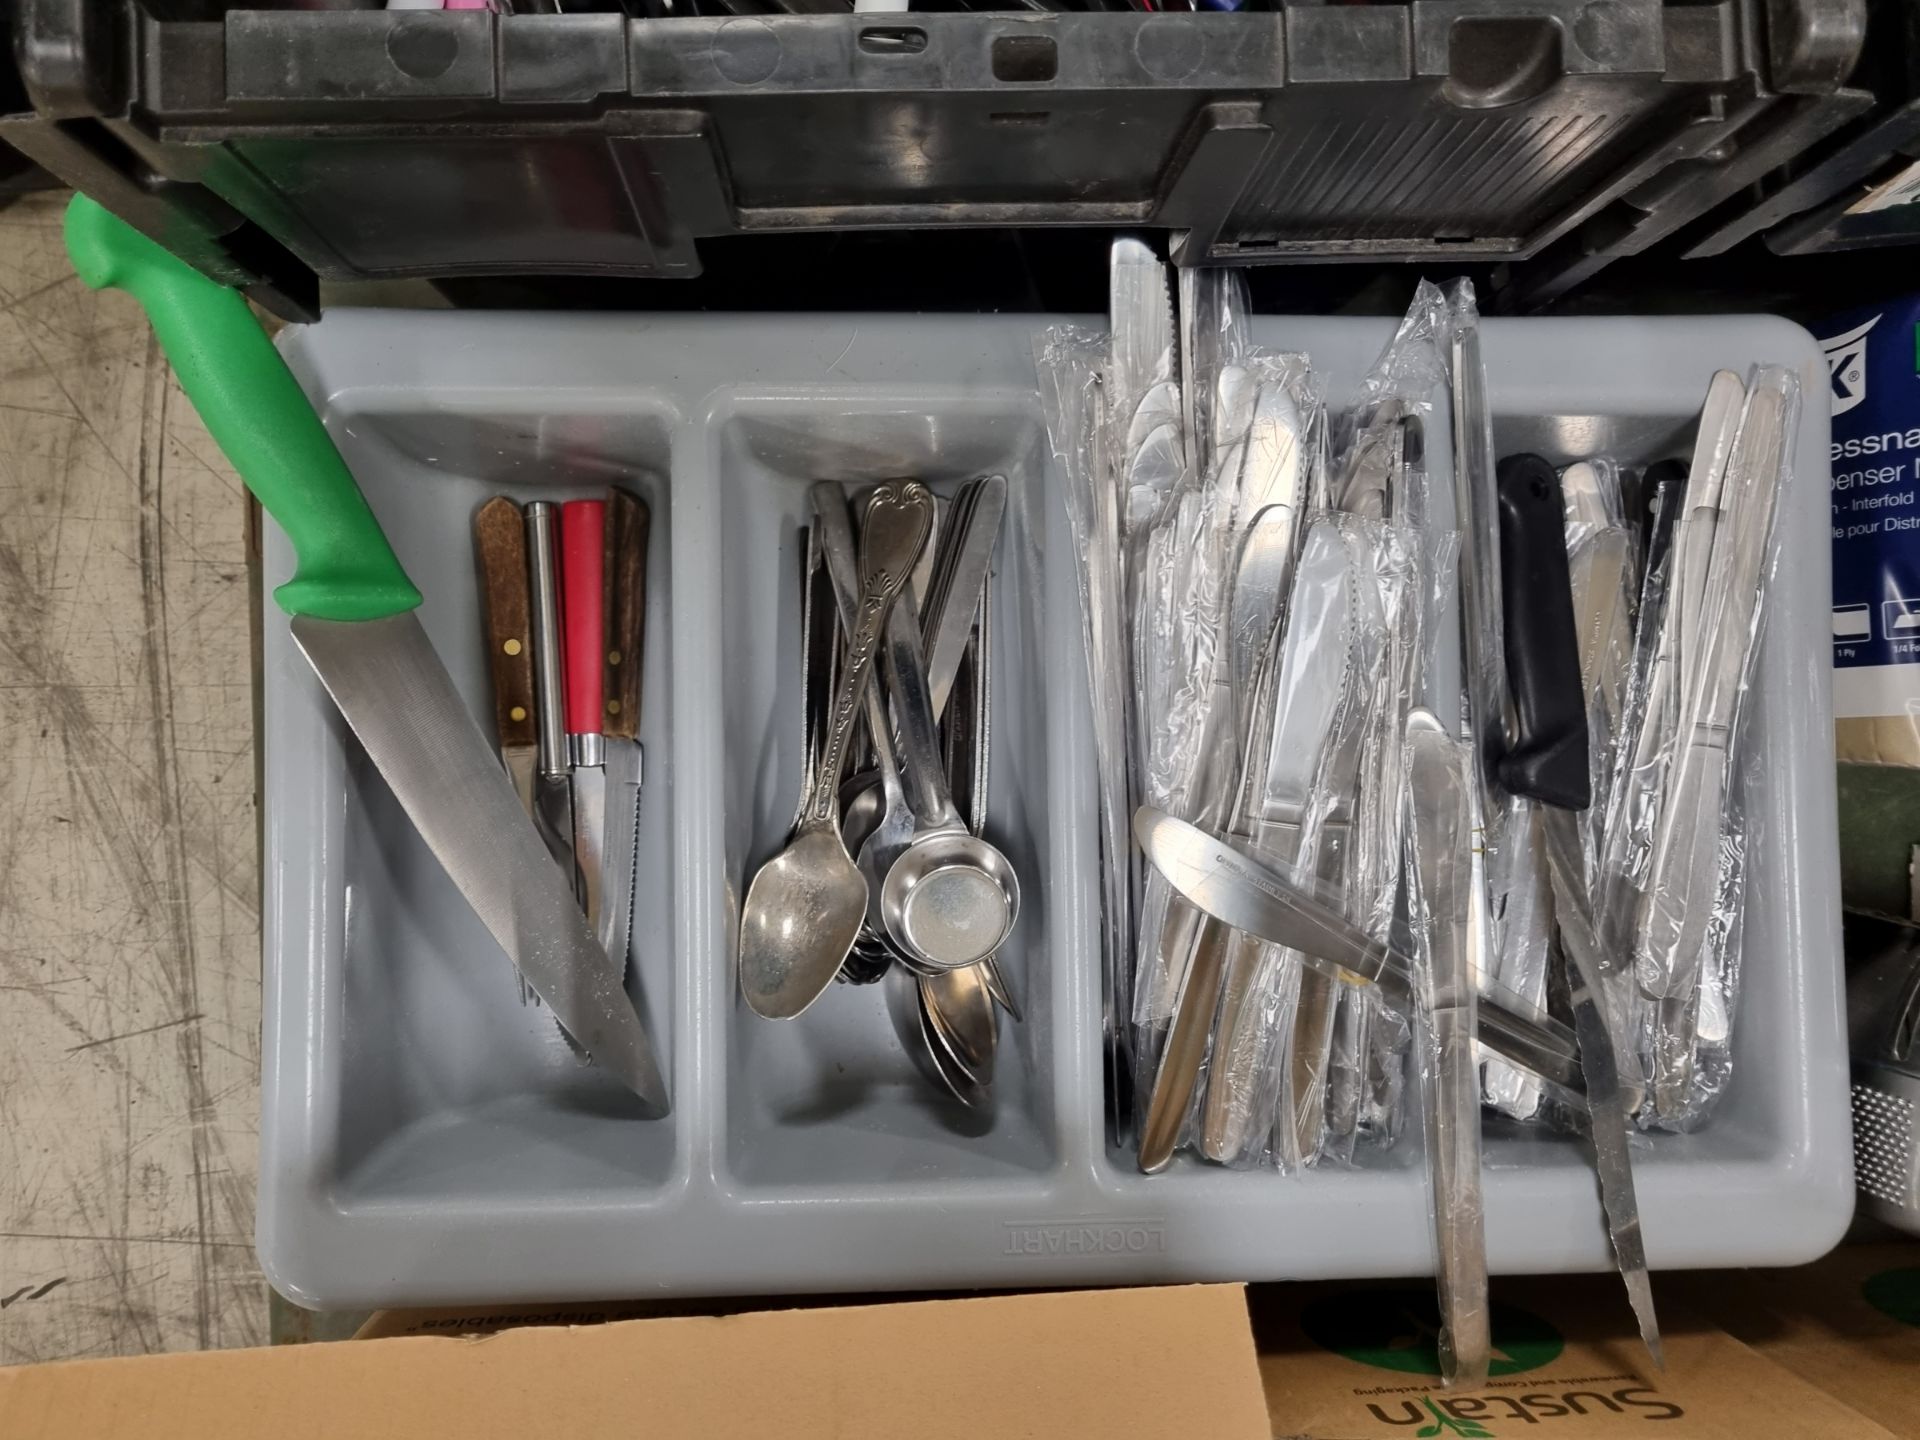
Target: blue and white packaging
[{"x": 1873, "y": 356}]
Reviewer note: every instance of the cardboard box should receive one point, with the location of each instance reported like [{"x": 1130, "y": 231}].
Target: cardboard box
[
  {"x": 1100, "y": 1364},
  {"x": 1359, "y": 1362},
  {"x": 1825, "y": 1352},
  {"x": 1849, "y": 1324}
]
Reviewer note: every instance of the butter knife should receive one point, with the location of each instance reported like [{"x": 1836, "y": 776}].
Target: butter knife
[
  {"x": 628, "y": 529},
  {"x": 1242, "y": 893},
  {"x": 1439, "y": 780}
]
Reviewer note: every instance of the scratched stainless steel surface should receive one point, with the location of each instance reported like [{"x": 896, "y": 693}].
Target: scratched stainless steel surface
[{"x": 129, "y": 893}]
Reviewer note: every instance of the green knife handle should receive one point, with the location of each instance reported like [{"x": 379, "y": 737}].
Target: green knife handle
[{"x": 257, "y": 414}]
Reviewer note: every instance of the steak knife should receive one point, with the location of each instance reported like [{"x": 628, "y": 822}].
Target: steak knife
[
  {"x": 629, "y": 524},
  {"x": 583, "y": 540},
  {"x": 500, "y": 540}
]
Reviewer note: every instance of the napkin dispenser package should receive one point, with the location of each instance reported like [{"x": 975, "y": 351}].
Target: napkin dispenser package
[{"x": 1873, "y": 356}]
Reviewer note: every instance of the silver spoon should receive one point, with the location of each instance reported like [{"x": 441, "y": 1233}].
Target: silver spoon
[
  {"x": 804, "y": 907},
  {"x": 962, "y": 1083},
  {"x": 907, "y": 1011},
  {"x": 877, "y": 820},
  {"x": 960, "y": 1009},
  {"x": 950, "y": 898}
]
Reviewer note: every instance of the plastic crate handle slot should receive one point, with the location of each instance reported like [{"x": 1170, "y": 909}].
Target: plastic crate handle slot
[{"x": 258, "y": 415}]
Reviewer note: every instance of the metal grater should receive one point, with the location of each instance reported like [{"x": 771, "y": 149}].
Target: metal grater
[
  {"x": 1883, "y": 1018},
  {"x": 1886, "y": 1157}
]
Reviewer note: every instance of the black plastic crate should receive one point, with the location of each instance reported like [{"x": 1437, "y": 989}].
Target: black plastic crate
[
  {"x": 1861, "y": 186},
  {"x": 274, "y": 148}
]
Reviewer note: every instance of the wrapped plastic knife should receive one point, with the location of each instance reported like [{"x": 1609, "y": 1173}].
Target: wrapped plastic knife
[
  {"x": 352, "y": 615},
  {"x": 1546, "y": 759}
]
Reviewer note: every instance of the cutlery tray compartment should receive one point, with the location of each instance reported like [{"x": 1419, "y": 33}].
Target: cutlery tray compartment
[{"x": 427, "y": 1139}]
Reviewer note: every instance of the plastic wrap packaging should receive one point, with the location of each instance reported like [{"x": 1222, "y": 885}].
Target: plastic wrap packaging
[
  {"x": 1212, "y": 598},
  {"x": 1330, "y": 768},
  {"x": 1382, "y": 472},
  {"x": 1601, "y": 556},
  {"x": 1173, "y": 553},
  {"x": 1440, "y": 877},
  {"x": 1322, "y": 1063},
  {"x": 1213, "y": 335},
  {"x": 1070, "y": 364},
  {"x": 1269, "y": 449},
  {"x": 1688, "y": 913},
  {"x": 1265, "y": 902}
]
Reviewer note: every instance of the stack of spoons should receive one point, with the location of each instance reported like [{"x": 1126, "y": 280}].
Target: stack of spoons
[{"x": 886, "y": 876}]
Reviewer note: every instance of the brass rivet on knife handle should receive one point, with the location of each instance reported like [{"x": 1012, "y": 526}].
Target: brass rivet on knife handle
[
  {"x": 628, "y": 525},
  {"x": 500, "y": 541}
]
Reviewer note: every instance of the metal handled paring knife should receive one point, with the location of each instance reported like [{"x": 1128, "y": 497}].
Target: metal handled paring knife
[
  {"x": 552, "y": 796},
  {"x": 352, "y": 614}
]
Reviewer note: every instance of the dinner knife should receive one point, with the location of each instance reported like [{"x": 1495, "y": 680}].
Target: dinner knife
[
  {"x": 1310, "y": 676},
  {"x": 1244, "y": 893},
  {"x": 1270, "y": 797},
  {"x": 949, "y": 618},
  {"x": 1547, "y": 760},
  {"x": 500, "y": 540},
  {"x": 1440, "y": 784},
  {"x": 352, "y": 615},
  {"x": 628, "y": 526},
  {"x": 552, "y": 797}
]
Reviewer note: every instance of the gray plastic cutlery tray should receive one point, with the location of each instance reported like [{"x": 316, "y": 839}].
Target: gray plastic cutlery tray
[{"x": 427, "y": 1138}]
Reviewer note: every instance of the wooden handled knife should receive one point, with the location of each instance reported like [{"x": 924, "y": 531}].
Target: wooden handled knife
[{"x": 500, "y": 542}]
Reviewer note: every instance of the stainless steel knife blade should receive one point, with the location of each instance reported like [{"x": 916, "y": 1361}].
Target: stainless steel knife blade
[
  {"x": 552, "y": 799},
  {"x": 589, "y": 785},
  {"x": 1440, "y": 781},
  {"x": 1606, "y": 1105},
  {"x": 947, "y": 631},
  {"x": 402, "y": 706},
  {"x": 1240, "y": 892},
  {"x": 621, "y": 860}
]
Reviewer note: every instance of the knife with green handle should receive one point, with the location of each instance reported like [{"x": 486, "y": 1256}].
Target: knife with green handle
[{"x": 352, "y": 615}]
